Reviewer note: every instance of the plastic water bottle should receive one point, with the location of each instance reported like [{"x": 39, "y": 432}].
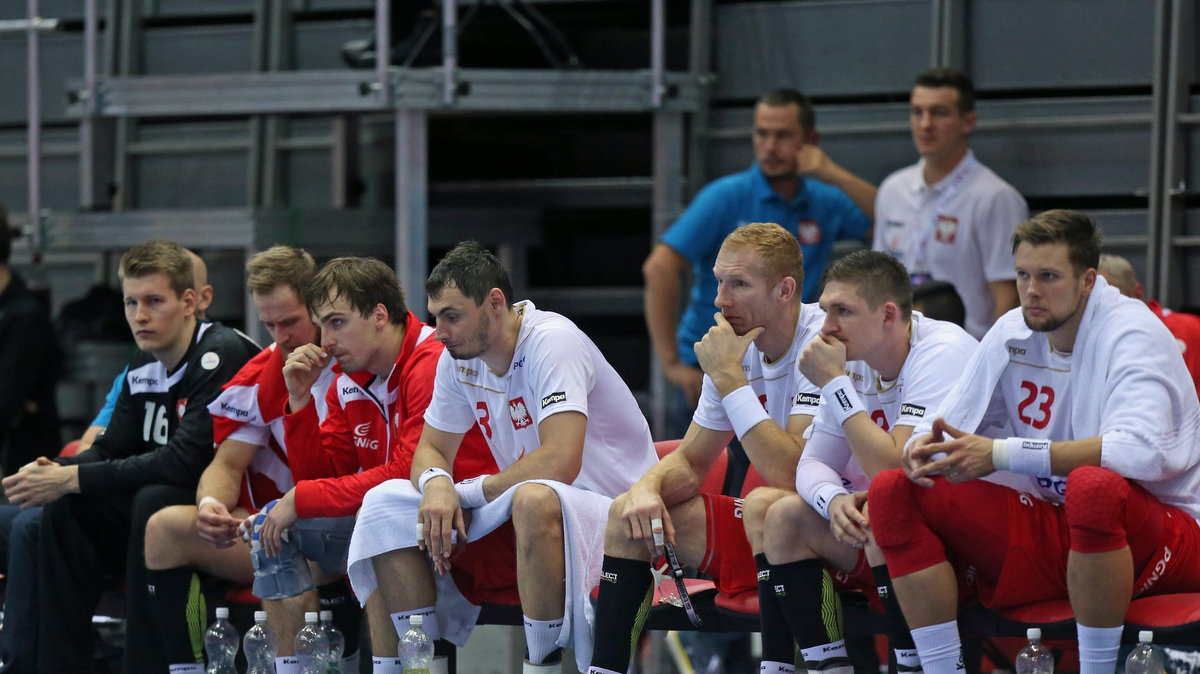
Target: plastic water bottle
[
  {"x": 221, "y": 644},
  {"x": 312, "y": 646},
  {"x": 1035, "y": 658},
  {"x": 261, "y": 644},
  {"x": 337, "y": 643},
  {"x": 1144, "y": 658},
  {"x": 416, "y": 648}
]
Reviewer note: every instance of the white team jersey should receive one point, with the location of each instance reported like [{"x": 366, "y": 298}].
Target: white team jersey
[
  {"x": 1033, "y": 400},
  {"x": 780, "y": 387},
  {"x": 958, "y": 230},
  {"x": 937, "y": 354},
  {"x": 555, "y": 368}
]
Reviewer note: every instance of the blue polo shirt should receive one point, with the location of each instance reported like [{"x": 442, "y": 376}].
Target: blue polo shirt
[{"x": 819, "y": 215}]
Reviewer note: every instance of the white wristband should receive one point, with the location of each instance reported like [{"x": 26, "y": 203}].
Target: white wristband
[
  {"x": 1000, "y": 454},
  {"x": 842, "y": 399},
  {"x": 206, "y": 500},
  {"x": 428, "y": 475},
  {"x": 825, "y": 495},
  {"x": 470, "y": 492},
  {"x": 1028, "y": 457},
  {"x": 744, "y": 410}
]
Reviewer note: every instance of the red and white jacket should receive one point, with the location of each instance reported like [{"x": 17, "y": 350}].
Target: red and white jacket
[
  {"x": 370, "y": 431},
  {"x": 250, "y": 409}
]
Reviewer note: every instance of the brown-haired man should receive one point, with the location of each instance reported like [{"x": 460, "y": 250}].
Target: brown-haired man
[
  {"x": 151, "y": 455},
  {"x": 1077, "y": 412}
]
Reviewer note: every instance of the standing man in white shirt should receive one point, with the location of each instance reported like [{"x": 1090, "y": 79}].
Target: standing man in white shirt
[{"x": 948, "y": 217}]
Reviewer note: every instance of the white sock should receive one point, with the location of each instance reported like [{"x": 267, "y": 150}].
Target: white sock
[
  {"x": 940, "y": 648},
  {"x": 768, "y": 667},
  {"x": 541, "y": 637},
  {"x": 187, "y": 668},
  {"x": 385, "y": 666},
  {"x": 287, "y": 664},
  {"x": 431, "y": 627},
  {"x": 600, "y": 670},
  {"x": 530, "y": 668},
  {"x": 907, "y": 660},
  {"x": 827, "y": 658},
  {"x": 1098, "y": 647}
]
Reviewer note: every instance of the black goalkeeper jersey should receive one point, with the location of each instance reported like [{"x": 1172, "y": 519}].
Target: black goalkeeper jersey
[{"x": 161, "y": 432}]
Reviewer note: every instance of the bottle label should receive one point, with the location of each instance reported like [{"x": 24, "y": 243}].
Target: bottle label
[{"x": 416, "y": 670}]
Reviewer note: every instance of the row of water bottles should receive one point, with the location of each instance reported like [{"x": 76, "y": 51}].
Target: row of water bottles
[
  {"x": 319, "y": 646},
  {"x": 1036, "y": 658}
]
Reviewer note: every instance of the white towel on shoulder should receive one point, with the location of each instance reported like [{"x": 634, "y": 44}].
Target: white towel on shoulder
[{"x": 1128, "y": 384}]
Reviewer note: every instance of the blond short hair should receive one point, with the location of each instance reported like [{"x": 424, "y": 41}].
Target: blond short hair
[
  {"x": 280, "y": 266},
  {"x": 777, "y": 249}
]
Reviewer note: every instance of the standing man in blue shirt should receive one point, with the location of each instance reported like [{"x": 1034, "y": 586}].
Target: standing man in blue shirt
[{"x": 792, "y": 183}]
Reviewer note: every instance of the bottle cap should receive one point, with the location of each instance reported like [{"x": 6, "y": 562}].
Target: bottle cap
[
  {"x": 260, "y": 616},
  {"x": 417, "y": 620},
  {"x": 1033, "y": 633},
  {"x": 326, "y": 616},
  {"x": 310, "y": 616},
  {"x": 1146, "y": 637},
  {"x": 222, "y": 613}
]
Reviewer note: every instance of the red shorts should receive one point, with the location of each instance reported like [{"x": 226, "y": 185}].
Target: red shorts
[
  {"x": 486, "y": 571},
  {"x": 1010, "y": 548},
  {"x": 729, "y": 560}
]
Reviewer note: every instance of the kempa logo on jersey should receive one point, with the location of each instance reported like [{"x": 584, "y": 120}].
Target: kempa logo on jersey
[
  {"x": 843, "y": 400},
  {"x": 360, "y": 439},
  {"x": 351, "y": 390},
  {"x": 912, "y": 410},
  {"x": 466, "y": 371},
  {"x": 1016, "y": 351},
  {"x": 237, "y": 412},
  {"x": 854, "y": 376},
  {"x": 556, "y": 397},
  {"x": 608, "y": 576},
  {"x": 813, "y": 399},
  {"x": 143, "y": 381}
]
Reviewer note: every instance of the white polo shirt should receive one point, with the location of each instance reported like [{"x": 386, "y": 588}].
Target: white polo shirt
[{"x": 958, "y": 230}]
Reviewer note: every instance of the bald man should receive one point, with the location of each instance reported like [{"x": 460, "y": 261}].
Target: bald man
[{"x": 1185, "y": 327}]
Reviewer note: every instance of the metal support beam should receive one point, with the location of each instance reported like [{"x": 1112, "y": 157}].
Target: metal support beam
[
  {"x": 449, "y": 51},
  {"x": 1180, "y": 72},
  {"x": 658, "y": 56},
  {"x": 34, "y": 129},
  {"x": 667, "y": 203},
  {"x": 412, "y": 205}
]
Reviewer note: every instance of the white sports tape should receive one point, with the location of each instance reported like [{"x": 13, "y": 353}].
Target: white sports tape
[
  {"x": 744, "y": 410},
  {"x": 842, "y": 399},
  {"x": 470, "y": 492},
  {"x": 428, "y": 475},
  {"x": 656, "y": 530},
  {"x": 206, "y": 500},
  {"x": 1028, "y": 456}
]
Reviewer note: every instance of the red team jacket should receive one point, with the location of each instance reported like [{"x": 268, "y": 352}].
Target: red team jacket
[
  {"x": 370, "y": 431},
  {"x": 260, "y": 401}
]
